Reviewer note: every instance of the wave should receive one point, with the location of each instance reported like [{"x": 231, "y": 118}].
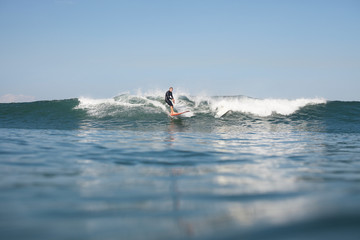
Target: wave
[
  {"x": 214, "y": 106},
  {"x": 148, "y": 111}
]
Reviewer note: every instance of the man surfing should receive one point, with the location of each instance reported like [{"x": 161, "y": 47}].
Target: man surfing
[{"x": 168, "y": 98}]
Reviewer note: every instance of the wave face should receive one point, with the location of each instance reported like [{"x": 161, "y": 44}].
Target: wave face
[{"x": 227, "y": 113}]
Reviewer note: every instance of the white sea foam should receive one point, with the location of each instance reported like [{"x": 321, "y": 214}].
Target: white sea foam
[
  {"x": 96, "y": 107},
  {"x": 260, "y": 107},
  {"x": 153, "y": 101},
  {"x": 121, "y": 103}
]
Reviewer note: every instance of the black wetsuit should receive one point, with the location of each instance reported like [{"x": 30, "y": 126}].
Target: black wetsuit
[{"x": 168, "y": 98}]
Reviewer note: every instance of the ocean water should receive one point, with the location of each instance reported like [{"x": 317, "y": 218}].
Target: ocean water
[{"x": 233, "y": 168}]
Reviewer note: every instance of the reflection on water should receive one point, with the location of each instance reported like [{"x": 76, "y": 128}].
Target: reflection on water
[
  {"x": 175, "y": 125},
  {"x": 182, "y": 223},
  {"x": 113, "y": 184}
]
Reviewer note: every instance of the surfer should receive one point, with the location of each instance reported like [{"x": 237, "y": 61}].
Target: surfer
[{"x": 168, "y": 98}]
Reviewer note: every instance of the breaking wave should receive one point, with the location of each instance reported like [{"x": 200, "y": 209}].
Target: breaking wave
[
  {"x": 215, "y": 106},
  {"x": 150, "y": 112}
]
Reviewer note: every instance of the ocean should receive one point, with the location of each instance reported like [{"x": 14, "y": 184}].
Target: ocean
[{"x": 234, "y": 167}]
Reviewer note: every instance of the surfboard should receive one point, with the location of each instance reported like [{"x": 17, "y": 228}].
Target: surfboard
[{"x": 177, "y": 114}]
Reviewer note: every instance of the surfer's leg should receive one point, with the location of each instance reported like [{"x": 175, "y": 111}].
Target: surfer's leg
[{"x": 171, "y": 106}]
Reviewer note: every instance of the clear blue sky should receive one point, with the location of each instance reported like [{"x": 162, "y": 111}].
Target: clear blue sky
[{"x": 55, "y": 49}]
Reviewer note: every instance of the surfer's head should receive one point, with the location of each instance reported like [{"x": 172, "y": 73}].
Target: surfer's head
[{"x": 171, "y": 89}]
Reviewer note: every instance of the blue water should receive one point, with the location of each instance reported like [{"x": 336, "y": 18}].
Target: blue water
[{"x": 122, "y": 169}]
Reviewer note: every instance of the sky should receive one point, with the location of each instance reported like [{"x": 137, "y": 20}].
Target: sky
[{"x": 58, "y": 49}]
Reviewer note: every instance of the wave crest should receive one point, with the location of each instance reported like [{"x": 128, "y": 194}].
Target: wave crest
[
  {"x": 260, "y": 107},
  {"x": 127, "y": 104}
]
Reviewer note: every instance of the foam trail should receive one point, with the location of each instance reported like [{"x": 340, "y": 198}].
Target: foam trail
[{"x": 124, "y": 103}]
